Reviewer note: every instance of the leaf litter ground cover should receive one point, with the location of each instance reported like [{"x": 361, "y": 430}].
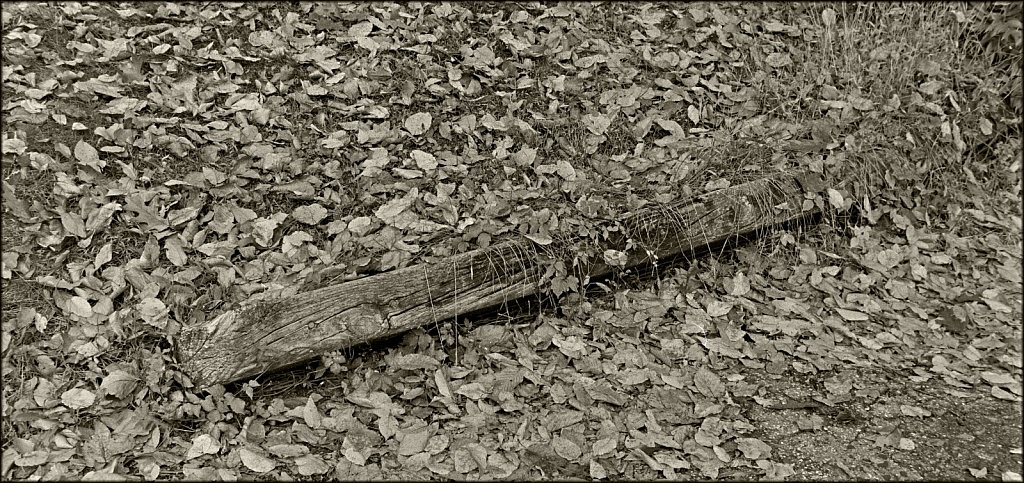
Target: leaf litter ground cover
[{"x": 163, "y": 162}]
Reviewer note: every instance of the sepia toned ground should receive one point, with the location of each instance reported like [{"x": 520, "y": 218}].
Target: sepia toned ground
[{"x": 164, "y": 162}]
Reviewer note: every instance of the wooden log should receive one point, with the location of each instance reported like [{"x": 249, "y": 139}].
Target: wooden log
[{"x": 265, "y": 335}]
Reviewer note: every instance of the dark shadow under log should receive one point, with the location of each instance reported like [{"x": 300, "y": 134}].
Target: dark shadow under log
[{"x": 269, "y": 334}]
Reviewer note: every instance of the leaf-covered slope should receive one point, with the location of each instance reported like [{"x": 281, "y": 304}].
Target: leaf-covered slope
[{"x": 164, "y": 161}]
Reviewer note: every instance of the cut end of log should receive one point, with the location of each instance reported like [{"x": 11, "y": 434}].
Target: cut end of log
[{"x": 206, "y": 367}]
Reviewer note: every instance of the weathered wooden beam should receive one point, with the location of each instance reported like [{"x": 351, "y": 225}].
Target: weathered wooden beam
[{"x": 265, "y": 335}]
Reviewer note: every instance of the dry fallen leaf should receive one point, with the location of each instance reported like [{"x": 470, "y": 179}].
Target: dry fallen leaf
[
  {"x": 202, "y": 444},
  {"x": 418, "y": 123},
  {"x": 255, "y": 461},
  {"x": 311, "y": 465},
  {"x": 852, "y": 315},
  {"x": 566, "y": 448},
  {"x": 77, "y": 398}
]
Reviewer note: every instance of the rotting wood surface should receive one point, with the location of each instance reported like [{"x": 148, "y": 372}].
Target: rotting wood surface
[{"x": 265, "y": 335}]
